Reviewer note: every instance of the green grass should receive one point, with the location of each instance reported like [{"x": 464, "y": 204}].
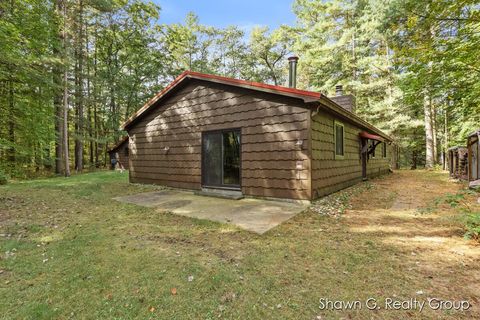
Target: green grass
[{"x": 69, "y": 251}]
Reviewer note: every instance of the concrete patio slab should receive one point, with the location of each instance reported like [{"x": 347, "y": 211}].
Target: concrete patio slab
[{"x": 250, "y": 214}]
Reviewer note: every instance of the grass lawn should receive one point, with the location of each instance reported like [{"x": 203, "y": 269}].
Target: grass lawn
[{"x": 67, "y": 250}]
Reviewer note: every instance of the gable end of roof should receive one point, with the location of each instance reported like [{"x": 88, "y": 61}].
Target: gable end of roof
[{"x": 306, "y": 96}]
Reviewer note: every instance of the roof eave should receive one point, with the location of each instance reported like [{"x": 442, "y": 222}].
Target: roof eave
[
  {"x": 134, "y": 117},
  {"x": 305, "y": 96},
  {"x": 334, "y": 107},
  {"x": 474, "y": 134},
  {"x": 266, "y": 89},
  {"x": 118, "y": 144}
]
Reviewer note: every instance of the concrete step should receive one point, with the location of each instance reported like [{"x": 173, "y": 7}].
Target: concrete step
[{"x": 220, "y": 193}]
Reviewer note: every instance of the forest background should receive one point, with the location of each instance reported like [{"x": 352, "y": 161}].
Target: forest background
[{"x": 71, "y": 71}]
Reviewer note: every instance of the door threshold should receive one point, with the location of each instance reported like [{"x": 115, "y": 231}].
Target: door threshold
[{"x": 234, "y": 194}]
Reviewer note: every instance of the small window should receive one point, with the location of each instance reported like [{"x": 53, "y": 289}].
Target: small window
[
  {"x": 384, "y": 149},
  {"x": 126, "y": 152},
  {"x": 372, "y": 148},
  {"x": 339, "y": 139}
]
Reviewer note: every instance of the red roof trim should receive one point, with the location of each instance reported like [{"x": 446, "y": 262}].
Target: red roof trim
[
  {"x": 367, "y": 135},
  {"x": 235, "y": 82},
  {"x": 150, "y": 102},
  {"x": 256, "y": 84}
]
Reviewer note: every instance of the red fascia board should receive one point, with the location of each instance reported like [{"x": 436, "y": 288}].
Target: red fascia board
[
  {"x": 155, "y": 98},
  {"x": 225, "y": 80},
  {"x": 256, "y": 84}
]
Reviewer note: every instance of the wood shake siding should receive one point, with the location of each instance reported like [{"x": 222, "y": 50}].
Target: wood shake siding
[
  {"x": 123, "y": 153},
  {"x": 273, "y": 161},
  {"x": 330, "y": 174}
]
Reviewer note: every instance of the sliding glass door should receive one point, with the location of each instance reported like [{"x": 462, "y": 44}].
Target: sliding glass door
[{"x": 221, "y": 158}]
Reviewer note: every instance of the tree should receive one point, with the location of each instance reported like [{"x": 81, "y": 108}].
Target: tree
[
  {"x": 428, "y": 36},
  {"x": 268, "y": 54}
]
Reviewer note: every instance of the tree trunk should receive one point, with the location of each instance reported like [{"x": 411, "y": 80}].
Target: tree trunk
[
  {"x": 429, "y": 140},
  {"x": 414, "y": 160},
  {"x": 95, "y": 95},
  {"x": 79, "y": 92},
  {"x": 434, "y": 134},
  {"x": 95, "y": 126},
  {"x": 57, "y": 100},
  {"x": 65, "y": 124},
  {"x": 11, "y": 123},
  {"x": 65, "y": 94},
  {"x": 445, "y": 143}
]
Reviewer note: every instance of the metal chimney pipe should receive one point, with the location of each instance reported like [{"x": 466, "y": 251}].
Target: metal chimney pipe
[
  {"x": 339, "y": 90},
  {"x": 292, "y": 71}
]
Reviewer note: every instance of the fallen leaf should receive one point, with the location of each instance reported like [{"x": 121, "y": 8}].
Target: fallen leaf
[
  {"x": 173, "y": 291},
  {"x": 151, "y": 309}
]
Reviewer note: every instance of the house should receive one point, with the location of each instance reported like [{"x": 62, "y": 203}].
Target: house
[
  {"x": 457, "y": 162},
  {"x": 121, "y": 152},
  {"x": 207, "y": 132},
  {"x": 473, "y": 147}
]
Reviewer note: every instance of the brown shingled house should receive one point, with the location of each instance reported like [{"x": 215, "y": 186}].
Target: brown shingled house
[
  {"x": 121, "y": 151},
  {"x": 207, "y": 132}
]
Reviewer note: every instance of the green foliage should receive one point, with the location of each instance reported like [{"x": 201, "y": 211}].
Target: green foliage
[
  {"x": 461, "y": 202},
  {"x": 3, "y": 177},
  {"x": 395, "y": 56},
  {"x": 434, "y": 45},
  {"x": 391, "y": 54},
  {"x": 473, "y": 226}
]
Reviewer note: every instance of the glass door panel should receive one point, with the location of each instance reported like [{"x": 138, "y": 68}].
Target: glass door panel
[
  {"x": 221, "y": 158},
  {"x": 231, "y": 158},
  {"x": 212, "y": 159}
]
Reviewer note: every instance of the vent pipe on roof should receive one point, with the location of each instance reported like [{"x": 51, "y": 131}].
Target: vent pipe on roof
[
  {"x": 339, "y": 90},
  {"x": 292, "y": 71}
]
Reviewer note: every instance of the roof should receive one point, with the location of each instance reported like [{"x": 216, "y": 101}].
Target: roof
[
  {"x": 456, "y": 148},
  {"x": 118, "y": 144},
  {"x": 474, "y": 134},
  {"x": 308, "y": 97}
]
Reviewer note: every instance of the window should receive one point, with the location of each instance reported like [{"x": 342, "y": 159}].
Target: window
[
  {"x": 384, "y": 149},
  {"x": 373, "y": 147},
  {"x": 126, "y": 151},
  {"x": 339, "y": 133},
  {"x": 221, "y": 165}
]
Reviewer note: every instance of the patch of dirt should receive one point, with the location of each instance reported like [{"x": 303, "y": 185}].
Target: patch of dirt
[{"x": 431, "y": 244}]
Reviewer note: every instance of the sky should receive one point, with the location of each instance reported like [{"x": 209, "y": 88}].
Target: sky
[{"x": 243, "y": 13}]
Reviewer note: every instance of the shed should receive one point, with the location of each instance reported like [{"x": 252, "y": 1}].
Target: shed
[
  {"x": 473, "y": 147},
  {"x": 457, "y": 162},
  {"x": 207, "y": 132},
  {"x": 121, "y": 151}
]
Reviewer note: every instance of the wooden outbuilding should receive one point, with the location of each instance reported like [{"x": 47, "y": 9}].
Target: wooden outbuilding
[
  {"x": 457, "y": 162},
  {"x": 473, "y": 146},
  {"x": 120, "y": 152},
  {"x": 206, "y": 132}
]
